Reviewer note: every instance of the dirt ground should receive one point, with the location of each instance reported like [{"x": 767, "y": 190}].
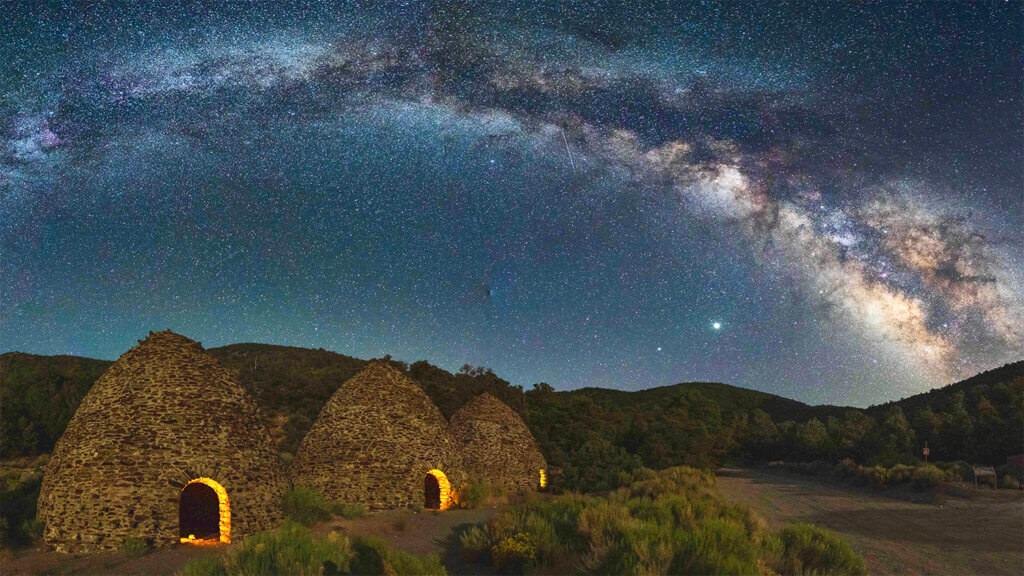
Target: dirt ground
[
  {"x": 411, "y": 530},
  {"x": 161, "y": 562},
  {"x": 981, "y": 533}
]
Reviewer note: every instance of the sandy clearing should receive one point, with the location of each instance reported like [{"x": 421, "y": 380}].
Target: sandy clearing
[{"x": 983, "y": 534}]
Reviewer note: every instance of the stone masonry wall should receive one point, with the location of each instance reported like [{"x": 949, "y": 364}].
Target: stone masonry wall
[
  {"x": 497, "y": 447},
  {"x": 163, "y": 414},
  {"x": 374, "y": 442}
]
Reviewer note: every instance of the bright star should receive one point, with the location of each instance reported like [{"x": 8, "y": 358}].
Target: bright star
[{"x": 717, "y": 325}]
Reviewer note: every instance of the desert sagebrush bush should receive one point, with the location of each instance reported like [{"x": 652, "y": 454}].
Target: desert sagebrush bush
[
  {"x": 288, "y": 550},
  {"x": 293, "y": 551},
  {"x": 515, "y": 554},
  {"x": 349, "y": 511},
  {"x": 475, "y": 544},
  {"x": 808, "y": 549},
  {"x": 304, "y": 505},
  {"x": 133, "y": 547},
  {"x": 397, "y": 562},
  {"x": 474, "y": 494},
  {"x": 668, "y": 522},
  {"x": 919, "y": 477}
]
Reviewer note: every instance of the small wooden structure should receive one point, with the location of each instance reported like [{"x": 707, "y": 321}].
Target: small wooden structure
[{"x": 985, "y": 471}]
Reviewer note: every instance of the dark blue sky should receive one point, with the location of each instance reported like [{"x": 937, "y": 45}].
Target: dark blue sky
[{"x": 820, "y": 200}]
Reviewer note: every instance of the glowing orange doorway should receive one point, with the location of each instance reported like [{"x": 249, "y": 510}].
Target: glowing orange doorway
[
  {"x": 437, "y": 491},
  {"x": 204, "y": 513}
]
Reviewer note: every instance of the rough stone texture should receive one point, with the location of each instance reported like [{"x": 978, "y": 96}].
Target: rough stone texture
[
  {"x": 374, "y": 442},
  {"x": 497, "y": 447},
  {"x": 163, "y": 414}
]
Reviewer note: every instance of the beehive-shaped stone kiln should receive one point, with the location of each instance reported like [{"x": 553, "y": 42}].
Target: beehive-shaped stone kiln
[
  {"x": 166, "y": 447},
  {"x": 380, "y": 441},
  {"x": 497, "y": 447}
]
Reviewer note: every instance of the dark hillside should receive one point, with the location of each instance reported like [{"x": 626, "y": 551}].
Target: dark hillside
[
  {"x": 293, "y": 384},
  {"x": 38, "y": 396},
  {"x": 730, "y": 400},
  {"x": 979, "y": 419},
  {"x": 290, "y": 384},
  {"x": 940, "y": 399}
]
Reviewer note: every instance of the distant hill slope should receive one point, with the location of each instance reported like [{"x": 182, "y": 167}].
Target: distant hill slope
[
  {"x": 730, "y": 399},
  {"x": 939, "y": 398}
]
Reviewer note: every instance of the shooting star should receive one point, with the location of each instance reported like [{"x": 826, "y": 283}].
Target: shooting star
[{"x": 569, "y": 152}]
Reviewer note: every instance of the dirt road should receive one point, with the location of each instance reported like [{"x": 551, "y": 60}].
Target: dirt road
[{"x": 982, "y": 534}]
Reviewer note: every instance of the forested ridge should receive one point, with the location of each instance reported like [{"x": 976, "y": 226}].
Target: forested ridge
[{"x": 588, "y": 435}]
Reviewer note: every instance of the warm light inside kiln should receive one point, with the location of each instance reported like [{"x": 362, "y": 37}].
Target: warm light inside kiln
[
  {"x": 197, "y": 513},
  {"x": 437, "y": 491},
  {"x": 543, "y": 478}
]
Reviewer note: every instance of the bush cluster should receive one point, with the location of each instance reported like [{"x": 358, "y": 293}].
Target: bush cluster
[
  {"x": 920, "y": 477},
  {"x": 292, "y": 550},
  {"x": 18, "y": 495},
  {"x": 667, "y": 522},
  {"x": 134, "y": 547},
  {"x": 349, "y": 510},
  {"x": 1008, "y": 481},
  {"x": 474, "y": 494},
  {"x": 304, "y": 505}
]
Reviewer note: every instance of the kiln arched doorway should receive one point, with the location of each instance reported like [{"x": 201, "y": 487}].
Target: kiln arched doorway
[
  {"x": 437, "y": 491},
  {"x": 204, "y": 513}
]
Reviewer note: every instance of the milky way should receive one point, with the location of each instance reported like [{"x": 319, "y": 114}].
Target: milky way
[{"x": 822, "y": 202}]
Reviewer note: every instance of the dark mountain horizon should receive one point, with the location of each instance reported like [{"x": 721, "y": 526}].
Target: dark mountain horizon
[{"x": 1008, "y": 368}]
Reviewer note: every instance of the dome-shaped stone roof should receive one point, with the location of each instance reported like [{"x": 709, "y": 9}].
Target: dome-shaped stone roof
[
  {"x": 375, "y": 442},
  {"x": 497, "y": 447},
  {"x": 163, "y": 417}
]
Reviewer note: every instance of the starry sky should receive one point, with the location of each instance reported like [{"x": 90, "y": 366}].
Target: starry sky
[{"x": 820, "y": 200}]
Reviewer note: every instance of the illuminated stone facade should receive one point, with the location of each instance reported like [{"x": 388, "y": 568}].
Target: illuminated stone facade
[
  {"x": 375, "y": 441},
  {"x": 161, "y": 416},
  {"x": 497, "y": 447}
]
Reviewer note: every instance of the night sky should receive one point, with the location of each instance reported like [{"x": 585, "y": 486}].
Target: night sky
[{"x": 819, "y": 200}]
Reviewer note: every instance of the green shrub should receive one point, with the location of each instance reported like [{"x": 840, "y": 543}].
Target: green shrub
[
  {"x": 18, "y": 514},
  {"x": 287, "y": 550},
  {"x": 516, "y": 554},
  {"x": 349, "y": 511},
  {"x": 661, "y": 522},
  {"x": 474, "y": 544},
  {"x": 204, "y": 566},
  {"x": 474, "y": 494},
  {"x": 305, "y": 506},
  {"x": 292, "y": 550},
  {"x": 958, "y": 470},
  {"x": 31, "y": 529},
  {"x": 133, "y": 547},
  {"x": 714, "y": 547},
  {"x": 921, "y": 477},
  {"x": 402, "y": 563},
  {"x": 928, "y": 476},
  {"x": 1008, "y": 481},
  {"x": 808, "y": 549}
]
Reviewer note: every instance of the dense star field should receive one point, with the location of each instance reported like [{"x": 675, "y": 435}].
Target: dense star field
[{"x": 820, "y": 200}]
